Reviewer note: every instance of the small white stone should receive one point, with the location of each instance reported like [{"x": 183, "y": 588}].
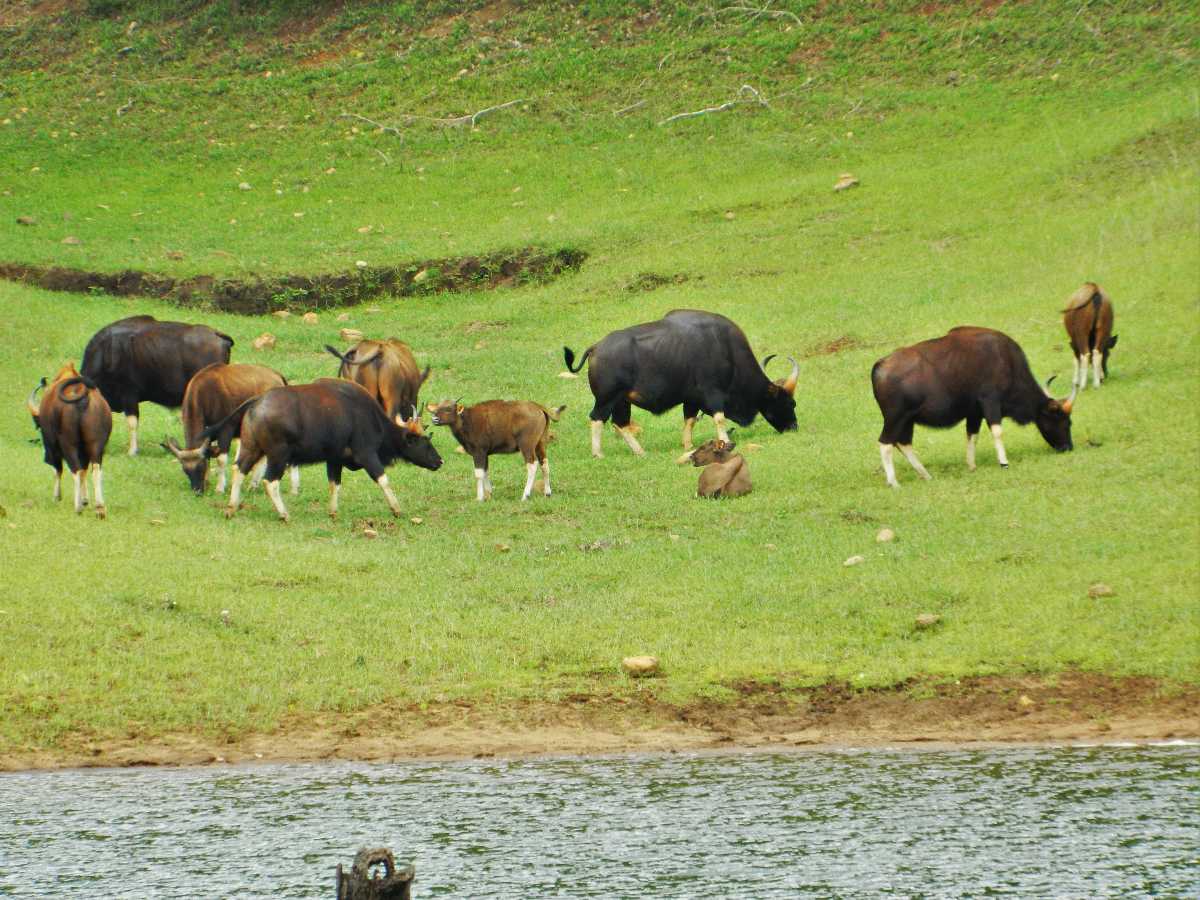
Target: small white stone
[
  {"x": 244, "y": 186},
  {"x": 361, "y": 263},
  {"x": 640, "y": 666},
  {"x": 854, "y": 561},
  {"x": 885, "y": 535}
]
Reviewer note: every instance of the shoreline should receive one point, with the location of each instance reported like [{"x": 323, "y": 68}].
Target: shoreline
[{"x": 984, "y": 712}]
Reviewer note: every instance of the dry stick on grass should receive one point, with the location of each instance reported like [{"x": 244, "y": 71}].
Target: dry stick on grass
[
  {"x": 372, "y": 122},
  {"x": 630, "y": 108},
  {"x": 743, "y": 91},
  {"x": 126, "y": 108},
  {"x": 752, "y": 11}
]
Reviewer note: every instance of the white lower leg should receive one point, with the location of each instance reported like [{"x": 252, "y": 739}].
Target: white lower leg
[
  {"x": 277, "y": 499},
  {"x": 688, "y": 425},
  {"x": 222, "y": 472},
  {"x": 1000, "y": 454},
  {"x": 907, "y": 450},
  {"x": 98, "y": 488},
  {"x": 597, "y": 430},
  {"x": 627, "y": 433},
  {"x": 392, "y": 502},
  {"x": 487, "y": 483},
  {"x": 78, "y": 478},
  {"x": 256, "y": 474},
  {"x": 295, "y": 476},
  {"x": 1097, "y": 375},
  {"x": 334, "y": 490},
  {"x": 889, "y": 468},
  {"x": 1083, "y": 371},
  {"x": 546, "y": 477},
  {"x": 480, "y": 477},
  {"x": 132, "y": 422},
  {"x": 235, "y": 491},
  {"x": 531, "y": 473},
  {"x": 719, "y": 421},
  {"x": 971, "y": 451}
]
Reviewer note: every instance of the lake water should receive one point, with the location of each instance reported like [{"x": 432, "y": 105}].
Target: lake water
[{"x": 1026, "y": 822}]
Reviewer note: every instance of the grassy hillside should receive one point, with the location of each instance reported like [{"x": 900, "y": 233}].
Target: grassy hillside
[{"x": 1005, "y": 154}]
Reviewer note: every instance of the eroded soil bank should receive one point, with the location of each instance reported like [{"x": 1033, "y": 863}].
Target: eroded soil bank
[
  {"x": 1074, "y": 707},
  {"x": 299, "y": 293}
]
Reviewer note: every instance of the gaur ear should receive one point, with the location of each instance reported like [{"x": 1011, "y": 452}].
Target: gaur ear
[
  {"x": 431, "y": 407},
  {"x": 458, "y": 408},
  {"x": 773, "y": 390}
]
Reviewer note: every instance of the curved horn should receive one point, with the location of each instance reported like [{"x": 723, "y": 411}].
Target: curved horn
[
  {"x": 1046, "y": 386},
  {"x": 767, "y": 359},
  {"x": 416, "y": 415},
  {"x": 171, "y": 447},
  {"x": 1070, "y": 401},
  {"x": 790, "y": 384},
  {"x": 34, "y": 408}
]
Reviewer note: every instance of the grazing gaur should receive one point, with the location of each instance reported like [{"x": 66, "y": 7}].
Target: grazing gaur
[
  {"x": 724, "y": 473},
  {"x": 500, "y": 426},
  {"x": 1089, "y": 322},
  {"x": 388, "y": 371},
  {"x": 141, "y": 359},
  {"x": 333, "y": 421},
  {"x": 211, "y": 396},
  {"x": 75, "y": 422},
  {"x": 698, "y": 359},
  {"x": 970, "y": 373}
]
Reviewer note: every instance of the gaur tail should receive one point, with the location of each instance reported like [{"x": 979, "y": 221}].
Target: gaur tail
[
  {"x": 223, "y": 336},
  {"x": 424, "y": 376},
  {"x": 345, "y": 360},
  {"x": 65, "y": 393},
  {"x": 569, "y": 356},
  {"x": 33, "y": 406},
  {"x": 234, "y": 419},
  {"x": 553, "y": 414}
]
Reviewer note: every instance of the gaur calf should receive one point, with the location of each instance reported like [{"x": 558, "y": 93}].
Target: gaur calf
[
  {"x": 500, "y": 426},
  {"x": 75, "y": 421},
  {"x": 1088, "y": 319},
  {"x": 723, "y": 473},
  {"x": 333, "y": 421},
  {"x": 211, "y": 396}
]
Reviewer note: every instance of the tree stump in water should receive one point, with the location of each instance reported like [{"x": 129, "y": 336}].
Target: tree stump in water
[{"x": 374, "y": 876}]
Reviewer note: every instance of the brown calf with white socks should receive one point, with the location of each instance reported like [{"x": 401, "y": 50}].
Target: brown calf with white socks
[
  {"x": 500, "y": 426},
  {"x": 75, "y": 421},
  {"x": 1088, "y": 319},
  {"x": 970, "y": 373}
]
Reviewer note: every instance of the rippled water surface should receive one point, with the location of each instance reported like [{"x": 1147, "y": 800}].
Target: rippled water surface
[{"x": 1064, "y": 822}]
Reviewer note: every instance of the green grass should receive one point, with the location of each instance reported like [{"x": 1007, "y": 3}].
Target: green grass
[{"x": 986, "y": 198}]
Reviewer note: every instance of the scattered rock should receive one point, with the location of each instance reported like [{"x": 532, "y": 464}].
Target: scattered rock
[
  {"x": 1026, "y": 701},
  {"x": 310, "y": 318},
  {"x": 1099, "y": 590},
  {"x": 479, "y": 345},
  {"x": 421, "y": 277},
  {"x": 854, "y": 561},
  {"x": 264, "y": 341},
  {"x": 568, "y": 374},
  {"x": 730, "y": 215},
  {"x": 350, "y": 334},
  {"x": 158, "y": 521},
  {"x": 370, "y": 533},
  {"x": 885, "y": 535},
  {"x": 503, "y": 548},
  {"x": 640, "y": 666},
  {"x": 281, "y": 314},
  {"x": 927, "y": 620},
  {"x": 751, "y": 446},
  {"x": 244, "y": 186},
  {"x": 72, "y": 240},
  {"x": 366, "y": 229},
  {"x": 174, "y": 254},
  {"x": 360, "y": 264},
  {"x": 225, "y": 617},
  {"x": 343, "y": 317},
  {"x": 416, "y": 520},
  {"x": 845, "y": 182},
  {"x": 26, "y": 220}
]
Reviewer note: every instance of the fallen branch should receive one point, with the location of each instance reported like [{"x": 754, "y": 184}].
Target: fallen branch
[
  {"x": 743, "y": 91},
  {"x": 387, "y": 160},
  {"x": 373, "y": 123},
  {"x": 451, "y": 122},
  {"x": 630, "y": 108},
  {"x": 126, "y": 108},
  {"x": 753, "y": 11}
]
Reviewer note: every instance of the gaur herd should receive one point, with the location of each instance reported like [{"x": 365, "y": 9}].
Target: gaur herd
[{"x": 370, "y": 416}]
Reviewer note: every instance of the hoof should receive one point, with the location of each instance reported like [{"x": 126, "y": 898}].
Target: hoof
[
  {"x": 1004, "y": 465},
  {"x": 284, "y": 519},
  {"x": 101, "y": 512},
  {"x": 230, "y": 512}
]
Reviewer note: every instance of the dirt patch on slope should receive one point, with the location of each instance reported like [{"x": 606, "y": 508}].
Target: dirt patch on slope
[
  {"x": 255, "y": 296},
  {"x": 990, "y": 710}
]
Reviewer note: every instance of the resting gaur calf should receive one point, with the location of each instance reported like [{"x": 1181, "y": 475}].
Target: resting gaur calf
[
  {"x": 698, "y": 359},
  {"x": 1088, "y": 319},
  {"x": 75, "y": 422},
  {"x": 970, "y": 373},
  {"x": 141, "y": 359},
  {"x": 388, "y": 371},
  {"x": 211, "y": 396},
  {"x": 333, "y": 421},
  {"x": 724, "y": 473},
  {"x": 500, "y": 426}
]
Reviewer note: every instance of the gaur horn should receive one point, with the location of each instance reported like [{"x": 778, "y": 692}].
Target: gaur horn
[
  {"x": 34, "y": 408},
  {"x": 1046, "y": 388},
  {"x": 790, "y": 384},
  {"x": 767, "y": 359},
  {"x": 1070, "y": 401}
]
